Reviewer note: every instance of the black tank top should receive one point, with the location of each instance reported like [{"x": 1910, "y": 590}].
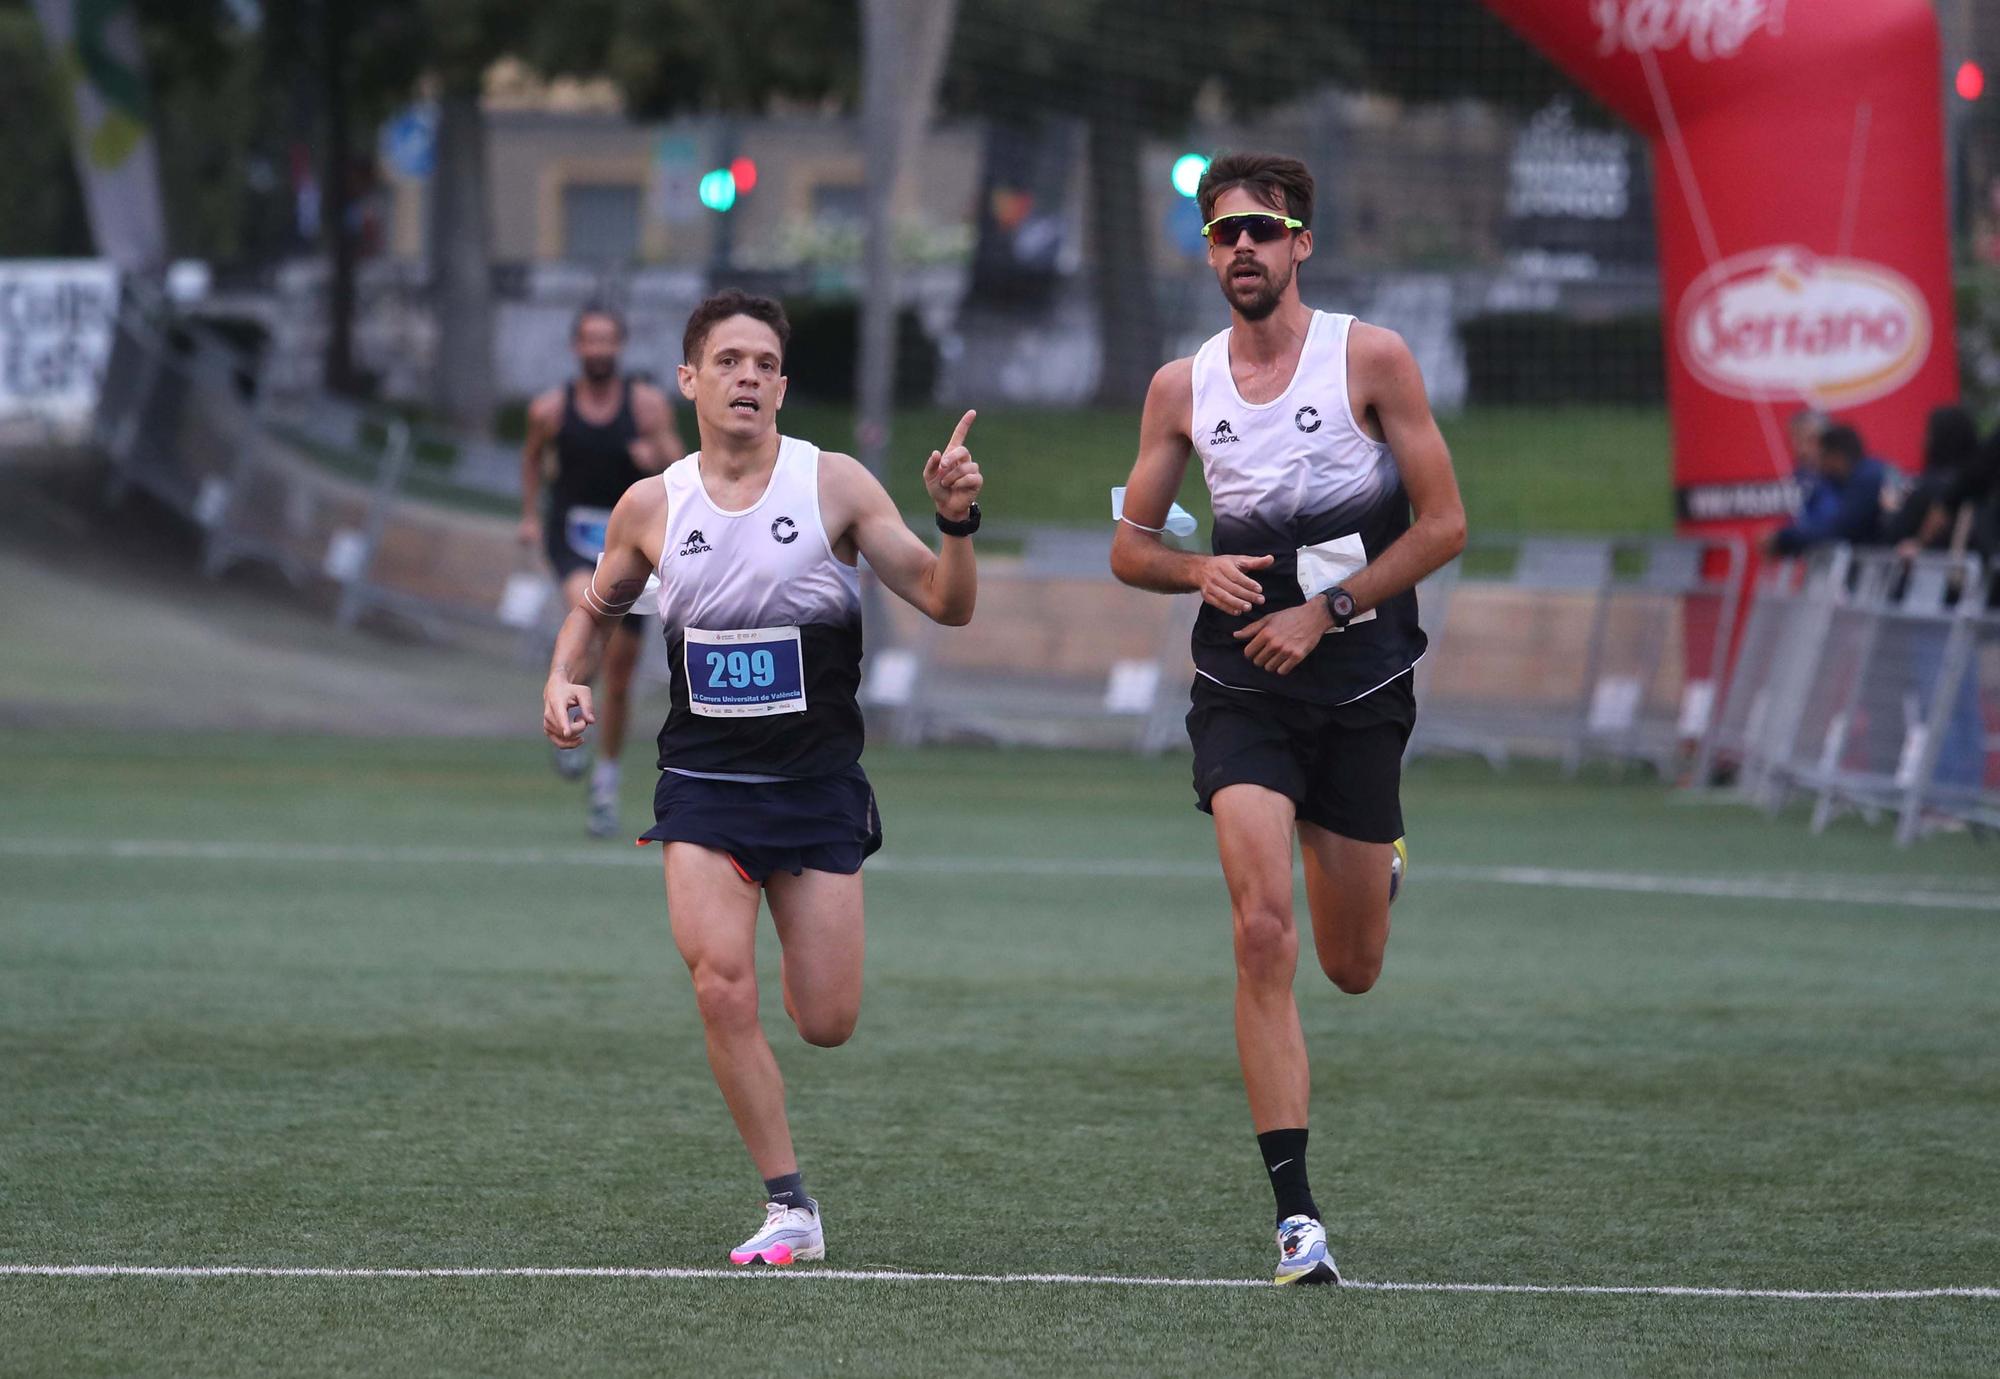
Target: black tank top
[{"x": 594, "y": 463}]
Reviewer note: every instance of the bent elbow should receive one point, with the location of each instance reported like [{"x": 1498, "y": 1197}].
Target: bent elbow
[{"x": 1452, "y": 534}]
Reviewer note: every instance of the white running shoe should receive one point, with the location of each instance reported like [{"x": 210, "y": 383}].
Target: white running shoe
[
  {"x": 1302, "y": 1253},
  {"x": 570, "y": 762},
  {"x": 789, "y": 1235},
  {"x": 603, "y": 821}
]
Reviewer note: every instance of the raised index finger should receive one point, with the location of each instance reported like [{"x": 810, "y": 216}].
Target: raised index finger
[{"x": 958, "y": 432}]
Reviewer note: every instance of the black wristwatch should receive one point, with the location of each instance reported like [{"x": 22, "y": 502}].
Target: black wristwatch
[
  {"x": 965, "y": 528},
  {"x": 1339, "y": 607}
]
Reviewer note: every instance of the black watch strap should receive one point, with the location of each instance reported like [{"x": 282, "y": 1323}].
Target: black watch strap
[
  {"x": 965, "y": 528},
  {"x": 1339, "y": 607}
]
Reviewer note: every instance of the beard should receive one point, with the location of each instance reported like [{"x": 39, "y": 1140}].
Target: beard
[
  {"x": 1263, "y": 300},
  {"x": 599, "y": 370}
]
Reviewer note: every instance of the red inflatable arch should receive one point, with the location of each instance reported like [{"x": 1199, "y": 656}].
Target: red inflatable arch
[{"x": 1799, "y": 173}]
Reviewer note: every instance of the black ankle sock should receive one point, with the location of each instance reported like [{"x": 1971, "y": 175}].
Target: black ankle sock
[
  {"x": 1285, "y": 1157},
  {"x": 789, "y": 1191}
]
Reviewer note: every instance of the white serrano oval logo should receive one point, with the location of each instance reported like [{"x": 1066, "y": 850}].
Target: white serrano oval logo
[{"x": 1782, "y": 323}]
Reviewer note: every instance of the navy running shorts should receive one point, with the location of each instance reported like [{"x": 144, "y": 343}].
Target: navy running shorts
[{"x": 822, "y": 823}]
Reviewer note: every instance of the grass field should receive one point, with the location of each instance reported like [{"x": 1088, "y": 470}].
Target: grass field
[
  {"x": 1524, "y": 469},
  {"x": 330, "y": 1002}
]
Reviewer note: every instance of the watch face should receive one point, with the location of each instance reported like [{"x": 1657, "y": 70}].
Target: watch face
[{"x": 1343, "y": 604}]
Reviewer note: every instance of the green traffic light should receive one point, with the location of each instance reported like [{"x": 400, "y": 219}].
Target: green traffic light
[
  {"x": 717, "y": 189},
  {"x": 1188, "y": 169}
]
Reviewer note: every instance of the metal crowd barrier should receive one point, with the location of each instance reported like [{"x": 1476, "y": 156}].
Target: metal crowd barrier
[
  {"x": 1871, "y": 683},
  {"x": 176, "y": 420},
  {"x": 1053, "y": 659},
  {"x": 1577, "y": 648}
]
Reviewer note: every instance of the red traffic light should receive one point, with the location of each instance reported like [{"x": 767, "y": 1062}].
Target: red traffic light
[
  {"x": 744, "y": 170},
  {"x": 1971, "y": 81}
]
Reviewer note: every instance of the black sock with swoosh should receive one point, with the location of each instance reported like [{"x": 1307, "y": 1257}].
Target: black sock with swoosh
[{"x": 1285, "y": 1157}]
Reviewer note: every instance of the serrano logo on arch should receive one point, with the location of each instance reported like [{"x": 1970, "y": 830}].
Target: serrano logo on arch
[{"x": 1780, "y": 322}]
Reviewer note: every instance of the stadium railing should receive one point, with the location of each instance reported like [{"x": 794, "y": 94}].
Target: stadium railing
[
  {"x": 1578, "y": 648},
  {"x": 1870, "y": 682},
  {"x": 318, "y": 492}
]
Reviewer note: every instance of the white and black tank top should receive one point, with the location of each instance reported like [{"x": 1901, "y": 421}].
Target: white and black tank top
[
  {"x": 763, "y": 623},
  {"x": 1297, "y": 479}
]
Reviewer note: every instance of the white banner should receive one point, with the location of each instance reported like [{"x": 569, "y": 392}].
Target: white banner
[{"x": 56, "y": 317}]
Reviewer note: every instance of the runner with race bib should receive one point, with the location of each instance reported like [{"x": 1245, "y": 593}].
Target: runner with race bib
[{"x": 755, "y": 541}]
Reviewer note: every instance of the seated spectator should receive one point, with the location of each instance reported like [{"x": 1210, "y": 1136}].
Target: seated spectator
[
  {"x": 1852, "y": 509},
  {"x": 1923, "y": 518}
]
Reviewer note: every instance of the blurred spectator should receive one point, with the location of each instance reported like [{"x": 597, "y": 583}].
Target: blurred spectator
[
  {"x": 1846, "y": 506},
  {"x": 1804, "y": 429},
  {"x": 1922, "y": 518}
]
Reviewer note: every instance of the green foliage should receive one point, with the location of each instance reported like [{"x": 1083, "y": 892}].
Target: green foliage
[
  {"x": 45, "y": 215},
  {"x": 1137, "y": 62},
  {"x": 1978, "y": 298},
  {"x": 675, "y": 56},
  {"x": 1543, "y": 359},
  {"x": 821, "y": 359}
]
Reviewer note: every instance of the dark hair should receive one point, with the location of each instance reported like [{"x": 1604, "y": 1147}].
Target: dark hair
[
  {"x": 590, "y": 309},
  {"x": 1951, "y": 439},
  {"x": 1271, "y": 177},
  {"x": 732, "y": 301},
  {"x": 1842, "y": 440}
]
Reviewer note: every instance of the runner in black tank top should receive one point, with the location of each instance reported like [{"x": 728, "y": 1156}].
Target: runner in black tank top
[
  {"x": 606, "y": 432},
  {"x": 1317, "y": 445}
]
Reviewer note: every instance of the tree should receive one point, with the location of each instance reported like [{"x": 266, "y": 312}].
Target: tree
[
  {"x": 45, "y": 215},
  {"x": 1130, "y": 70}
]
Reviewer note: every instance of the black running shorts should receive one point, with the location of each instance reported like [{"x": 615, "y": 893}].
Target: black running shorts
[
  {"x": 823, "y": 823},
  {"x": 1341, "y": 766}
]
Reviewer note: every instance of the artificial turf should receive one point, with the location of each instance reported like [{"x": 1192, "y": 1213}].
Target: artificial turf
[{"x": 461, "y": 1037}]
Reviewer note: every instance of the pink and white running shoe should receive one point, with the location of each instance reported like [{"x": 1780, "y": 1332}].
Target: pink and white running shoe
[{"x": 790, "y": 1234}]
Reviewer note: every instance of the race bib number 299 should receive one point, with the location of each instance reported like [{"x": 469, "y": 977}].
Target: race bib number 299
[{"x": 747, "y": 673}]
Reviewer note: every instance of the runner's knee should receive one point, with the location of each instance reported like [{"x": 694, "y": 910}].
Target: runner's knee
[
  {"x": 1352, "y": 973},
  {"x": 826, "y": 1028},
  {"x": 1267, "y": 942},
  {"x": 726, "y": 998}
]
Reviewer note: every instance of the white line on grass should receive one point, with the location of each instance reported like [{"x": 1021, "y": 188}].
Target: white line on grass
[
  {"x": 1929, "y": 894},
  {"x": 915, "y": 1276}
]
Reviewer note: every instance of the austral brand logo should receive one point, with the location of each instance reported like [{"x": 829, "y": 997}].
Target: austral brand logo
[
  {"x": 1222, "y": 435},
  {"x": 1306, "y": 419},
  {"x": 695, "y": 544},
  {"x": 784, "y": 531},
  {"x": 1781, "y": 323}
]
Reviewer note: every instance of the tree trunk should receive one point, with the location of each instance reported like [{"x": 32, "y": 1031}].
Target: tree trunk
[
  {"x": 903, "y": 47},
  {"x": 338, "y": 373},
  {"x": 461, "y": 263},
  {"x": 1128, "y": 317}
]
